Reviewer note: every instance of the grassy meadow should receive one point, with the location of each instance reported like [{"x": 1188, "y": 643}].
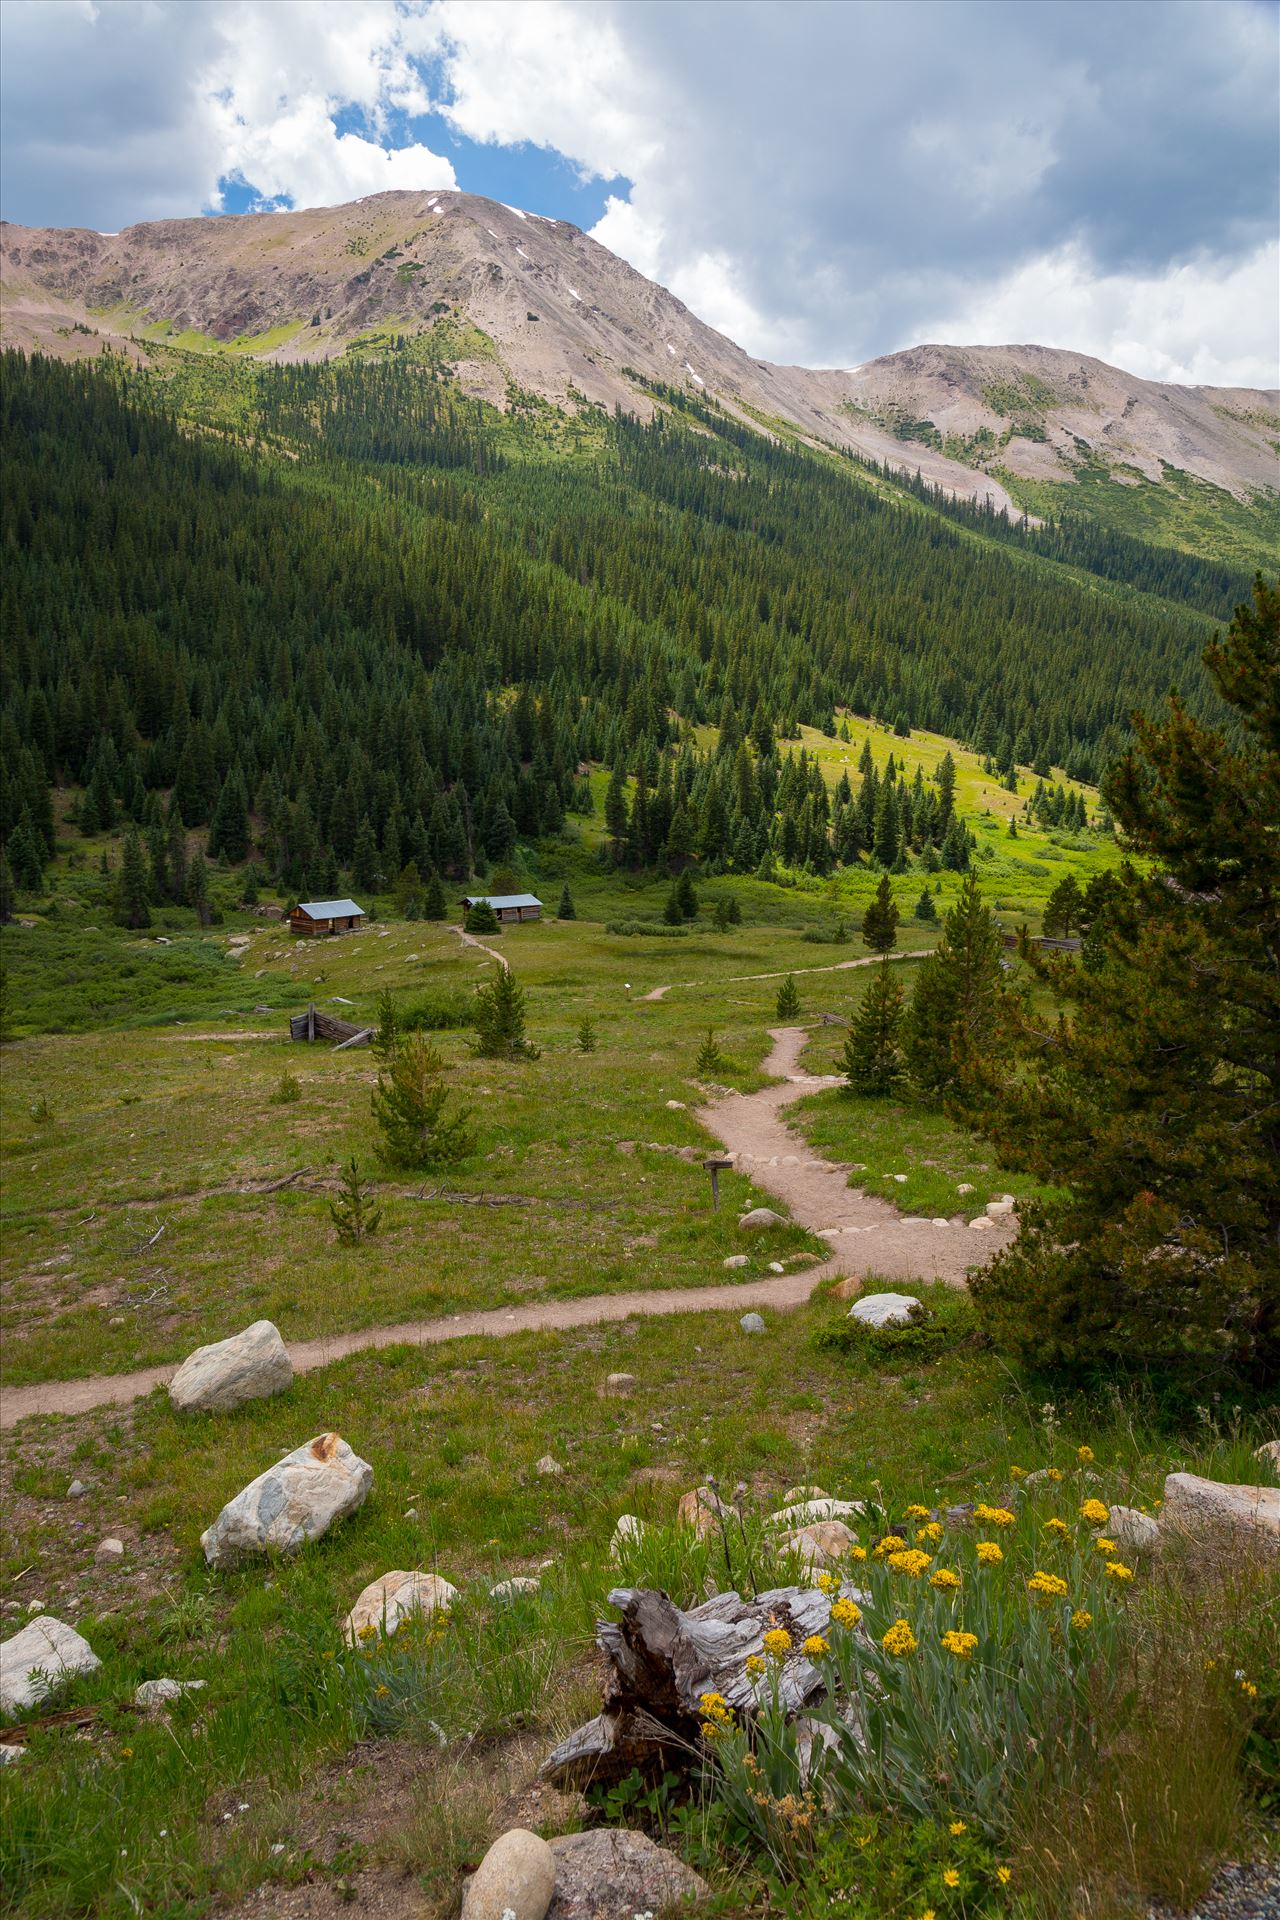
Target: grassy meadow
[{"x": 147, "y": 1105}]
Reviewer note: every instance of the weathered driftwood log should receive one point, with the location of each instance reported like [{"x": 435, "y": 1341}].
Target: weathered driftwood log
[{"x": 661, "y": 1660}]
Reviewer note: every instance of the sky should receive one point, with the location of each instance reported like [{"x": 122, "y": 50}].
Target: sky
[{"x": 823, "y": 180}]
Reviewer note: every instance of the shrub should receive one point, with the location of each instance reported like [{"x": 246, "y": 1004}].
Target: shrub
[
  {"x": 834, "y": 933},
  {"x": 288, "y": 1089},
  {"x": 437, "y": 1012},
  {"x": 645, "y": 929},
  {"x": 481, "y": 918}
]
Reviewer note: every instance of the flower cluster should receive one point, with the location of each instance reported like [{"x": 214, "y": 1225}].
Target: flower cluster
[
  {"x": 945, "y": 1580},
  {"x": 961, "y": 1644},
  {"x": 845, "y": 1613},
  {"x": 899, "y": 1640},
  {"x": 815, "y": 1646},
  {"x": 993, "y": 1516},
  {"x": 917, "y": 1512},
  {"x": 1117, "y": 1571},
  {"x": 910, "y": 1561},
  {"x": 989, "y": 1554},
  {"x": 929, "y": 1535},
  {"x": 890, "y": 1544},
  {"x": 777, "y": 1643},
  {"x": 1058, "y": 1528},
  {"x": 1048, "y": 1586},
  {"x": 717, "y": 1715},
  {"x": 1095, "y": 1512}
]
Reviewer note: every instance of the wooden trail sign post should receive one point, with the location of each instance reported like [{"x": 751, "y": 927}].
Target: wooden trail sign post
[{"x": 715, "y": 1168}]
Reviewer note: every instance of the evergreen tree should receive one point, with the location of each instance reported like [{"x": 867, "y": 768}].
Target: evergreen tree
[
  {"x": 709, "y": 1058},
  {"x": 354, "y": 1211},
  {"x": 586, "y": 1041},
  {"x": 880, "y": 921},
  {"x": 953, "y": 1017},
  {"x": 788, "y": 1002},
  {"x": 196, "y": 892},
  {"x": 229, "y": 828},
  {"x": 946, "y": 791},
  {"x": 1156, "y": 1101},
  {"x": 6, "y": 888},
  {"x": 686, "y": 898},
  {"x": 481, "y": 918},
  {"x": 566, "y": 910},
  {"x": 617, "y": 818},
  {"x": 411, "y": 1106},
  {"x": 1064, "y": 907},
  {"x": 955, "y": 847},
  {"x": 434, "y": 905},
  {"x": 410, "y": 898},
  {"x": 133, "y": 885},
  {"x": 26, "y": 856},
  {"x": 389, "y": 1032},
  {"x": 886, "y": 837},
  {"x": 925, "y": 909},
  {"x": 499, "y": 1019},
  {"x": 872, "y": 1059},
  {"x": 364, "y": 856}
]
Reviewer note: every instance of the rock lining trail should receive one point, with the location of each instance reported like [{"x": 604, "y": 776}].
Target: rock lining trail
[{"x": 866, "y": 1235}]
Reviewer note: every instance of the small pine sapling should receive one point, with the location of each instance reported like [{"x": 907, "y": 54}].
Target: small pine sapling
[
  {"x": 709, "y": 1057},
  {"x": 566, "y": 910},
  {"x": 586, "y": 1035},
  {"x": 481, "y": 918},
  {"x": 410, "y": 1105},
  {"x": 788, "y": 1002},
  {"x": 354, "y": 1212},
  {"x": 872, "y": 1060},
  {"x": 880, "y": 921},
  {"x": 498, "y": 1017}
]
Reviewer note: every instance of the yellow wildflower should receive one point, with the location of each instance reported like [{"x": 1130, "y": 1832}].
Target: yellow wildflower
[
  {"x": 994, "y": 1516},
  {"x": 910, "y": 1561},
  {"x": 956, "y": 1828},
  {"x": 1248, "y": 1689},
  {"x": 1051, "y": 1585},
  {"x": 1053, "y": 1473},
  {"x": 989, "y": 1554},
  {"x": 1095, "y": 1513},
  {"x": 950, "y": 1877},
  {"x": 1105, "y": 1546},
  {"x": 899, "y": 1640},
  {"x": 1084, "y": 1455},
  {"x": 890, "y": 1544},
  {"x": 930, "y": 1534},
  {"x": 917, "y": 1512},
  {"x": 717, "y": 1715},
  {"x": 928, "y": 1914},
  {"x": 382, "y": 1690},
  {"x": 945, "y": 1580},
  {"x": 369, "y": 1632},
  {"x": 961, "y": 1644},
  {"x": 826, "y": 1583},
  {"x": 1081, "y": 1619},
  {"x": 1004, "y": 1875},
  {"x": 755, "y": 1664},
  {"x": 857, "y": 1553},
  {"x": 815, "y": 1646},
  {"x": 1018, "y": 1473},
  {"x": 1056, "y": 1527},
  {"x": 126, "y": 1753},
  {"x": 845, "y": 1613},
  {"x": 1117, "y": 1571},
  {"x": 777, "y": 1642}
]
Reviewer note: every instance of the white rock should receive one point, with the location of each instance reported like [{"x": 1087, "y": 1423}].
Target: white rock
[
  {"x": 152, "y": 1692},
  {"x": 249, "y": 1366},
  {"x": 701, "y": 1509},
  {"x": 628, "y": 1532},
  {"x": 549, "y": 1466},
  {"x": 1269, "y": 1454},
  {"x": 794, "y": 1494},
  {"x": 676, "y": 1106},
  {"x": 1244, "y": 1517},
  {"x": 518, "y": 1585},
  {"x": 751, "y": 1323},
  {"x": 776, "y": 1266},
  {"x": 39, "y": 1660},
  {"x": 393, "y": 1598},
  {"x": 981, "y": 1224},
  {"x": 620, "y": 1382},
  {"x": 77, "y": 1490},
  {"x": 1128, "y": 1528},
  {"x": 999, "y": 1209},
  {"x": 819, "y": 1543},
  {"x": 965, "y": 1186},
  {"x": 760, "y": 1217},
  {"x": 514, "y": 1881},
  {"x": 901, "y": 1178},
  {"x": 884, "y": 1309},
  {"x": 108, "y": 1550},
  {"x": 294, "y": 1501},
  {"x": 940, "y": 1222},
  {"x": 11, "y": 1751},
  {"x": 804, "y": 1513},
  {"x": 737, "y": 1260}
]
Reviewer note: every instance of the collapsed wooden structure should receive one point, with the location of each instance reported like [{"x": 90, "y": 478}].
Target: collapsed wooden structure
[{"x": 315, "y": 1025}]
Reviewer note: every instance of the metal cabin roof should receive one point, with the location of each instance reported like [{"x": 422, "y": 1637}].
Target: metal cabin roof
[
  {"x": 329, "y": 909},
  {"x": 498, "y": 900}
]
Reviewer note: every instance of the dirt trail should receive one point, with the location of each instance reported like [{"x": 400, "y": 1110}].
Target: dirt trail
[
  {"x": 835, "y": 966},
  {"x": 865, "y": 1234}
]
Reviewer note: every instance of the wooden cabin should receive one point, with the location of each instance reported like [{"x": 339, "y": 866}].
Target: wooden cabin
[
  {"x": 312, "y": 917},
  {"x": 509, "y": 907}
]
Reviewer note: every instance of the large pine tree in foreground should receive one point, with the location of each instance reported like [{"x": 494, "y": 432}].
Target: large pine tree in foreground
[{"x": 1156, "y": 1100}]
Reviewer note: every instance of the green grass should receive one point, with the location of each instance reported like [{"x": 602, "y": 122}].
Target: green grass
[{"x": 1178, "y": 510}]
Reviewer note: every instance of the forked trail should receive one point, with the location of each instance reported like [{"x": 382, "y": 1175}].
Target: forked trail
[{"x": 866, "y": 1235}]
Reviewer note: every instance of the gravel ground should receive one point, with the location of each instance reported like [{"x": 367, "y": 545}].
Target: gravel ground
[{"x": 1243, "y": 1890}]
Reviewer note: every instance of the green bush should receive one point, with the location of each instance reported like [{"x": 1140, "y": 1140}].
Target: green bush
[
  {"x": 646, "y": 929},
  {"x": 951, "y": 1321}
]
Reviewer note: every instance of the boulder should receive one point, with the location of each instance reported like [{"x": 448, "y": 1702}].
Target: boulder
[
  {"x": 751, "y": 1323},
  {"x": 1238, "y": 1518},
  {"x": 620, "y": 1382},
  {"x": 519, "y": 1585},
  {"x": 514, "y": 1881},
  {"x": 804, "y": 1513},
  {"x": 884, "y": 1309},
  {"x": 393, "y": 1598},
  {"x": 1137, "y": 1532},
  {"x": 617, "y": 1874},
  {"x": 760, "y": 1217},
  {"x": 628, "y": 1530},
  {"x": 981, "y": 1224},
  {"x": 794, "y": 1494},
  {"x": 549, "y": 1466},
  {"x": 249, "y": 1366},
  {"x": 999, "y": 1209},
  {"x": 819, "y": 1544},
  {"x": 1269, "y": 1454},
  {"x": 39, "y": 1660},
  {"x": 108, "y": 1551},
  {"x": 294, "y": 1501},
  {"x": 736, "y": 1260},
  {"x": 77, "y": 1490},
  {"x": 965, "y": 1186},
  {"x": 153, "y": 1693},
  {"x": 701, "y": 1509}
]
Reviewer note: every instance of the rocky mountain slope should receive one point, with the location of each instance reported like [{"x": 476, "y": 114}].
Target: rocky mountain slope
[{"x": 517, "y": 301}]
